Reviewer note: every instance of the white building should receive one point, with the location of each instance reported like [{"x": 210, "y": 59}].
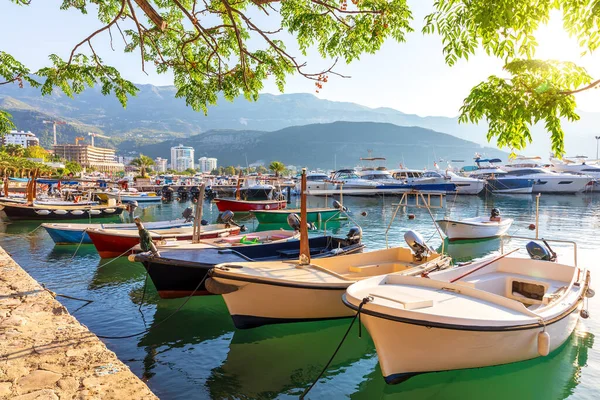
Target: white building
[
  {"x": 182, "y": 157},
  {"x": 160, "y": 164},
  {"x": 21, "y": 138},
  {"x": 207, "y": 164}
]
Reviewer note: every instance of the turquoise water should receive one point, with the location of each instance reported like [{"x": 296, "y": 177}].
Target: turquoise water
[{"x": 198, "y": 354}]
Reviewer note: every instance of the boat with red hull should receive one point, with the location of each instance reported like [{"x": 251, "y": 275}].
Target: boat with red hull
[
  {"x": 112, "y": 243},
  {"x": 249, "y": 205}
]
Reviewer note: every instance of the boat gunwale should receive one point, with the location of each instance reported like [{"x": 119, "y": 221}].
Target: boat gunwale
[
  {"x": 479, "y": 224},
  {"x": 541, "y": 322}
]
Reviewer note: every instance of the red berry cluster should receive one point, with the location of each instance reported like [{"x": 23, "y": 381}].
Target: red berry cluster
[{"x": 321, "y": 79}]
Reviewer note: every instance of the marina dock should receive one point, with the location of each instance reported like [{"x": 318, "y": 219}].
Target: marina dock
[{"x": 45, "y": 353}]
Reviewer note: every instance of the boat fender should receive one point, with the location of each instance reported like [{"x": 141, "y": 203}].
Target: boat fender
[
  {"x": 411, "y": 216},
  {"x": 109, "y": 210},
  {"x": 543, "y": 343},
  {"x": 42, "y": 212},
  {"x": 219, "y": 288},
  {"x": 77, "y": 212},
  {"x": 267, "y": 207},
  {"x": 60, "y": 212},
  {"x": 95, "y": 212},
  {"x": 585, "y": 314},
  {"x": 589, "y": 293}
]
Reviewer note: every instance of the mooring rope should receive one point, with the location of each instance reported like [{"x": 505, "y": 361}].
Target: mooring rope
[
  {"x": 357, "y": 315},
  {"x": 163, "y": 320}
]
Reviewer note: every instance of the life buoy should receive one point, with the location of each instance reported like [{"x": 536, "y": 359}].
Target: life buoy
[
  {"x": 77, "y": 199},
  {"x": 267, "y": 207}
]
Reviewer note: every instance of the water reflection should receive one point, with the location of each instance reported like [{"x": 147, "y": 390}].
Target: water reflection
[
  {"x": 267, "y": 361},
  {"x": 552, "y": 377}
]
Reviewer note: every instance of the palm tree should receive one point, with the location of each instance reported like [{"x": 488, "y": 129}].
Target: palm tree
[
  {"x": 277, "y": 167},
  {"x": 142, "y": 162}
]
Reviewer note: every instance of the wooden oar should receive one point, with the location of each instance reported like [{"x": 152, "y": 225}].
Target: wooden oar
[{"x": 482, "y": 266}]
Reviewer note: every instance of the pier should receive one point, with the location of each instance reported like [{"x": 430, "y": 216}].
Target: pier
[{"x": 45, "y": 353}]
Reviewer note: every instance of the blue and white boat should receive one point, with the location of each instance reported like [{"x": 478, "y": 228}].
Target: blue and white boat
[
  {"x": 65, "y": 233},
  {"x": 497, "y": 179}
]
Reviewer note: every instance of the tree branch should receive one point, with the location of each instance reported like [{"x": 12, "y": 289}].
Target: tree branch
[{"x": 590, "y": 86}]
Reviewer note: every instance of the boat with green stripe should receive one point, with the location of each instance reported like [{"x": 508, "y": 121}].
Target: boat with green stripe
[{"x": 314, "y": 215}]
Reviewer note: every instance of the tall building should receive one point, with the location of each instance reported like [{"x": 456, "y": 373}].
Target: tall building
[
  {"x": 207, "y": 164},
  {"x": 21, "y": 138},
  {"x": 99, "y": 158},
  {"x": 182, "y": 157},
  {"x": 160, "y": 164}
]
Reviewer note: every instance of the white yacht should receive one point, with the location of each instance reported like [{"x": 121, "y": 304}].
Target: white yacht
[
  {"x": 351, "y": 180},
  {"x": 464, "y": 184},
  {"x": 546, "y": 181},
  {"x": 578, "y": 165},
  {"x": 496, "y": 178}
]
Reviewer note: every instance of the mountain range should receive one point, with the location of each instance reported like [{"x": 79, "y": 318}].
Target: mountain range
[
  {"x": 330, "y": 145},
  {"x": 155, "y": 115}
]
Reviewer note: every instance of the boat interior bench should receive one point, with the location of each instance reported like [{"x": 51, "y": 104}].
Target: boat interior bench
[
  {"x": 525, "y": 289},
  {"x": 295, "y": 253}
]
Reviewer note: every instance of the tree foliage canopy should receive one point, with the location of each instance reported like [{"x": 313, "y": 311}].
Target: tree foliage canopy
[
  {"x": 225, "y": 46},
  {"x": 142, "y": 162}
]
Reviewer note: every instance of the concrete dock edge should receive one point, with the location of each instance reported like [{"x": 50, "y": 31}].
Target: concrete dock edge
[{"x": 45, "y": 353}]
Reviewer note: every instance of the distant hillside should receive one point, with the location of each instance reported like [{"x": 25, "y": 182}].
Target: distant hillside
[
  {"x": 322, "y": 145},
  {"x": 155, "y": 115}
]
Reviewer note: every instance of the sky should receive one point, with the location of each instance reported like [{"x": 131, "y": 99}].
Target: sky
[{"x": 411, "y": 77}]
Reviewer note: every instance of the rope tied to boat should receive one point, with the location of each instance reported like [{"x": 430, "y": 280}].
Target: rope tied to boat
[
  {"x": 164, "y": 319},
  {"x": 357, "y": 315}
]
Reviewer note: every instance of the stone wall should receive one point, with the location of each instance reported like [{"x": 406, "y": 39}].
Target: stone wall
[{"x": 45, "y": 353}]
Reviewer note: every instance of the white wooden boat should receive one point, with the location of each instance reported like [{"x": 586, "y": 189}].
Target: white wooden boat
[
  {"x": 497, "y": 311},
  {"x": 474, "y": 228},
  {"x": 260, "y": 293}
]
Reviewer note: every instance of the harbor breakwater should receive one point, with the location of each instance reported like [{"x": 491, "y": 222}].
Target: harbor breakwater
[{"x": 45, "y": 353}]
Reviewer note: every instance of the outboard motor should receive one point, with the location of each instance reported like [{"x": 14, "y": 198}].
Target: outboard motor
[
  {"x": 354, "y": 236},
  {"x": 495, "y": 213},
  {"x": 182, "y": 193},
  {"x": 416, "y": 242},
  {"x": 167, "y": 193},
  {"x": 195, "y": 192},
  {"x": 226, "y": 217},
  {"x": 293, "y": 221},
  {"x": 338, "y": 206},
  {"x": 279, "y": 196},
  {"x": 539, "y": 252},
  {"x": 131, "y": 207},
  {"x": 188, "y": 214}
]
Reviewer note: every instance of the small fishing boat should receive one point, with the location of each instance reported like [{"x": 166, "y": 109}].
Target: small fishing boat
[
  {"x": 475, "y": 228},
  {"x": 64, "y": 233},
  {"x": 116, "y": 242},
  {"x": 260, "y": 293},
  {"x": 129, "y": 195},
  {"x": 497, "y": 311},
  {"x": 249, "y": 205},
  {"x": 314, "y": 215},
  {"x": 17, "y": 211},
  {"x": 176, "y": 272}
]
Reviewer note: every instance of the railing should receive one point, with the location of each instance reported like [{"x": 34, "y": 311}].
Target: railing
[{"x": 503, "y": 237}]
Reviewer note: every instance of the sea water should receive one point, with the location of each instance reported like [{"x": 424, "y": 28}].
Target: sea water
[{"x": 198, "y": 354}]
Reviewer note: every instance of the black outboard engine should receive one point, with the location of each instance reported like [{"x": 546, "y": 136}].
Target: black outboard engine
[
  {"x": 495, "y": 213},
  {"x": 182, "y": 193},
  {"x": 203, "y": 222},
  {"x": 167, "y": 193},
  {"x": 354, "y": 236},
  {"x": 416, "y": 242},
  {"x": 338, "y": 206},
  {"x": 226, "y": 217},
  {"x": 539, "y": 252},
  {"x": 293, "y": 221},
  {"x": 195, "y": 192},
  {"x": 188, "y": 214}
]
